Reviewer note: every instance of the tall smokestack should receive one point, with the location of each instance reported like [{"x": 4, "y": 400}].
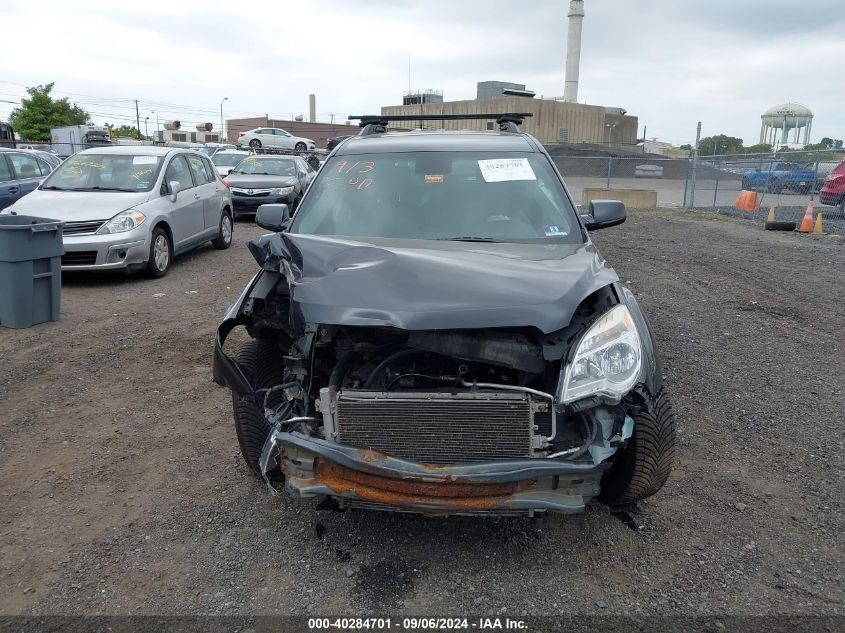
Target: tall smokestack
[
  {"x": 312, "y": 108},
  {"x": 573, "y": 50}
]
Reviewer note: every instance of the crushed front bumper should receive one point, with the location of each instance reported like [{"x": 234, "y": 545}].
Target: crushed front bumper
[{"x": 362, "y": 477}]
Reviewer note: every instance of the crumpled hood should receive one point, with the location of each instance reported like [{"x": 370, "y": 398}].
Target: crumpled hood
[{"x": 429, "y": 285}]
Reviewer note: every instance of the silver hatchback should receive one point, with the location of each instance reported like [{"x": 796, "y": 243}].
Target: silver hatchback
[{"x": 133, "y": 208}]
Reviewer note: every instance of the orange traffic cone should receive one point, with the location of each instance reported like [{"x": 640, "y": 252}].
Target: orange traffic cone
[
  {"x": 817, "y": 229},
  {"x": 807, "y": 222},
  {"x": 748, "y": 201},
  {"x": 771, "y": 217}
]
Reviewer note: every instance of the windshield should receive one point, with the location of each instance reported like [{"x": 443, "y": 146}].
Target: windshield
[
  {"x": 468, "y": 196},
  {"x": 266, "y": 167},
  {"x": 105, "y": 172},
  {"x": 227, "y": 160}
]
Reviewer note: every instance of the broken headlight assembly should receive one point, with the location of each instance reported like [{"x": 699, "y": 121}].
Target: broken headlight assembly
[
  {"x": 607, "y": 360},
  {"x": 122, "y": 222}
]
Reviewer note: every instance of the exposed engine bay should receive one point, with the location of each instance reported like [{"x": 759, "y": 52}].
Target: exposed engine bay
[{"x": 359, "y": 408}]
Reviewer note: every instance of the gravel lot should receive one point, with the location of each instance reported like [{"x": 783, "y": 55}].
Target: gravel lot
[{"x": 122, "y": 490}]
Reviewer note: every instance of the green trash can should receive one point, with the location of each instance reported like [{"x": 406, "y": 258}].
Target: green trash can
[{"x": 30, "y": 270}]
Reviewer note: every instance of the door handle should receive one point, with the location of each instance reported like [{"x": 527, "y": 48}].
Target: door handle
[
  {"x": 196, "y": 196},
  {"x": 13, "y": 189}
]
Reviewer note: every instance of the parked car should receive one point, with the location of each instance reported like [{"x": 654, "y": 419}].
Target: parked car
[
  {"x": 435, "y": 331},
  {"x": 331, "y": 143},
  {"x": 274, "y": 137},
  {"x": 269, "y": 179},
  {"x": 226, "y": 160},
  {"x": 48, "y": 157},
  {"x": 133, "y": 208},
  {"x": 211, "y": 149},
  {"x": 780, "y": 176},
  {"x": 21, "y": 171},
  {"x": 833, "y": 190}
]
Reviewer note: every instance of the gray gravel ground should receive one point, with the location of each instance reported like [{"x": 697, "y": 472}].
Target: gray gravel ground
[{"x": 122, "y": 490}]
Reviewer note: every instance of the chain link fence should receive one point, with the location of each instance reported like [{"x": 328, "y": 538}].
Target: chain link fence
[{"x": 785, "y": 181}]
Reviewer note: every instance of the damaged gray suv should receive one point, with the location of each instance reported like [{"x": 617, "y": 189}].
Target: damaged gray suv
[{"x": 435, "y": 332}]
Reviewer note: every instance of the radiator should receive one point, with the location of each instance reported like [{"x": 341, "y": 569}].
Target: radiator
[{"x": 437, "y": 428}]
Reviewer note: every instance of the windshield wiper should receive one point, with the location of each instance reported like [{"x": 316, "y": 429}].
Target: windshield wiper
[
  {"x": 101, "y": 189},
  {"x": 469, "y": 238},
  {"x": 53, "y": 188}
]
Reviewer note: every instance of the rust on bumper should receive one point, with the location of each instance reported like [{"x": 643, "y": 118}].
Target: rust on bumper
[{"x": 315, "y": 467}]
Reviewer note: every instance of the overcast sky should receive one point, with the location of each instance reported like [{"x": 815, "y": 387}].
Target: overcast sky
[{"x": 669, "y": 62}]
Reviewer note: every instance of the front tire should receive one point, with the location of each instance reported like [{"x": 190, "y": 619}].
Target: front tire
[
  {"x": 224, "y": 235},
  {"x": 264, "y": 360},
  {"x": 255, "y": 143},
  {"x": 643, "y": 466},
  {"x": 161, "y": 254},
  {"x": 300, "y": 147}
]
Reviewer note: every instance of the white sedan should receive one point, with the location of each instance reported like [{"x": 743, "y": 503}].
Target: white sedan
[{"x": 274, "y": 137}]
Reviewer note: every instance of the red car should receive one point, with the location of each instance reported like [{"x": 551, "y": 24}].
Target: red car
[{"x": 833, "y": 189}]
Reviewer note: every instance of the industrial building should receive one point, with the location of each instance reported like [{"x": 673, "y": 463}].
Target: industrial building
[{"x": 553, "y": 121}]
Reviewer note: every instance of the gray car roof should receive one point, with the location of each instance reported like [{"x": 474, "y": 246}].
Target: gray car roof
[
  {"x": 134, "y": 150},
  {"x": 436, "y": 141}
]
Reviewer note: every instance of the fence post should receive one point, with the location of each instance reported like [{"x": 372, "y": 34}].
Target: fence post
[
  {"x": 609, "y": 160},
  {"x": 716, "y": 190},
  {"x": 686, "y": 182},
  {"x": 694, "y": 164}
]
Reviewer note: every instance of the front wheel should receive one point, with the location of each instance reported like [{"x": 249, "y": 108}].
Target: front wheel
[
  {"x": 224, "y": 235},
  {"x": 264, "y": 360},
  {"x": 643, "y": 466},
  {"x": 300, "y": 147},
  {"x": 255, "y": 143},
  {"x": 161, "y": 254}
]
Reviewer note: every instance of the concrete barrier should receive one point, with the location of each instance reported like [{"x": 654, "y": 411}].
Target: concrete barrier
[{"x": 632, "y": 198}]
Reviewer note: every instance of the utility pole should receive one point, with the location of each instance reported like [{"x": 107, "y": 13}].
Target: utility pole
[
  {"x": 694, "y": 166},
  {"x": 137, "y": 121},
  {"x": 644, "y": 131}
]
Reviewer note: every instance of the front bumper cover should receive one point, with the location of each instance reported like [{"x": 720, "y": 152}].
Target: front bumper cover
[{"x": 316, "y": 467}]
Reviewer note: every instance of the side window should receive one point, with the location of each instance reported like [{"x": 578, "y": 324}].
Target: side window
[
  {"x": 5, "y": 174},
  {"x": 25, "y": 166},
  {"x": 45, "y": 168},
  {"x": 177, "y": 171},
  {"x": 210, "y": 172},
  {"x": 281, "y": 133},
  {"x": 198, "y": 169}
]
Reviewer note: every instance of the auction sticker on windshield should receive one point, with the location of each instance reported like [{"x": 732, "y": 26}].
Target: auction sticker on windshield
[
  {"x": 144, "y": 160},
  {"x": 504, "y": 169}
]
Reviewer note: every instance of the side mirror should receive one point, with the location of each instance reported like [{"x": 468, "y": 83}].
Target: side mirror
[
  {"x": 603, "y": 214},
  {"x": 175, "y": 188},
  {"x": 273, "y": 217}
]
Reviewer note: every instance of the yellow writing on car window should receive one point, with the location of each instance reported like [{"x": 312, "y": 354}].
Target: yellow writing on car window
[{"x": 140, "y": 173}]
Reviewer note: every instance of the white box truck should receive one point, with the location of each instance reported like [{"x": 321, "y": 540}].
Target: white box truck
[{"x": 75, "y": 138}]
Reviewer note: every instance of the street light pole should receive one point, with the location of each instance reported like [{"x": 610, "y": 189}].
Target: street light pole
[
  {"x": 222, "y": 125},
  {"x": 156, "y": 113},
  {"x": 146, "y": 128}
]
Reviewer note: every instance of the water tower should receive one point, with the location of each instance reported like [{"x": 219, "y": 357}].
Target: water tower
[{"x": 789, "y": 117}]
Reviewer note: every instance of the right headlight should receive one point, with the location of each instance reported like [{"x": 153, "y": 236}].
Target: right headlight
[
  {"x": 607, "y": 360},
  {"x": 282, "y": 191},
  {"x": 122, "y": 222}
]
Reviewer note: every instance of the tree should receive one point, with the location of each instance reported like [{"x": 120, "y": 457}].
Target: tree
[
  {"x": 719, "y": 144},
  {"x": 40, "y": 113},
  {"x": 123, "y": 131},
  {"x": 759, "y": 148},
  {"x": 686, "y": 146}
]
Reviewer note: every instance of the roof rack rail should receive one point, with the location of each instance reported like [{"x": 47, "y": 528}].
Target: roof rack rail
[{"x": 377, "y": 123}]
